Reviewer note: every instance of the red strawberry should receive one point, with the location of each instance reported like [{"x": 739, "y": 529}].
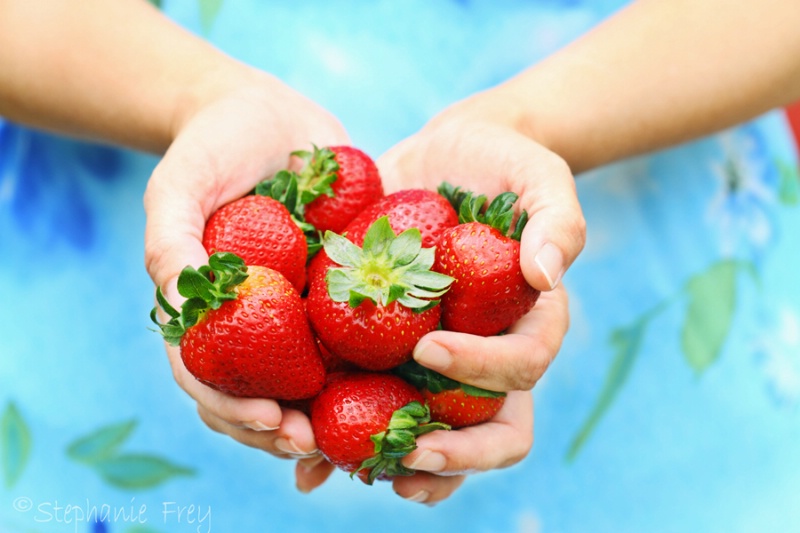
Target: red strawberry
[
  {"x": 379, "y": 300},
  {"x": 489, "y": 293},
  {"x": 427, "y": 211},
  {"x": 345, "y": 180},
  {"x": 365, "y": 423},
  {"x": 242, "y": 330},
  {"x": 261, "y": 231},
  {"x": 451, "y": 402},
  {"x": 333, "y": 186}
]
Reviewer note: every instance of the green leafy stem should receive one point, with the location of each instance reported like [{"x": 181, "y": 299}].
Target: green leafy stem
[{"x": 711, "y": 304}]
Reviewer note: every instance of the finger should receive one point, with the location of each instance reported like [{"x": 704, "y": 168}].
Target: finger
[
  {"x": 556, "y": 230},
  {"x": 180, "y": 196},
  {"x": 293, "y": 439},
  {"x": 501, "y": 442},
  {"x": 491, "y": 159},
  {"x": 426, "y": 488},
  {"x": 513, "y": 361},
  {"x": 312, "y": 472}
]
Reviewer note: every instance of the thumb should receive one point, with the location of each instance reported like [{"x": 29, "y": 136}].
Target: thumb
[{"x": 556, "y": 230}]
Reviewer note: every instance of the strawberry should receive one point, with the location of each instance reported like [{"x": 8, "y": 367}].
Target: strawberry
[
  {"x": 425, "y": 210},
  {"x": 261, "y": 231},
  {"x": 428, "y": 211},
  {"x": 375, "y": 302},
  {"x": 451, "y": 402},
  {"x": 366, "y": 422},
  {"x": 489, "y": 293},
  {"x": 334, "y": 185},
  {"x": 242, "y": 331}
]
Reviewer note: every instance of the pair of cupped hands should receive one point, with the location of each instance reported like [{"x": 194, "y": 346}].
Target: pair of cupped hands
[{"x": 225, "y": 143}]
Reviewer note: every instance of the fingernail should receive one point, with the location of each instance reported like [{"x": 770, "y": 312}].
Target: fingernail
[
  {"x": 420, "y": 497},
  {"x": 429, "y": 461},
  {"x": 289, "y": 446},
  {"x": 550, "y": 261},
  {"x": 255, "y": 425},
  {"x": 433, "y": 355},
  {"x": 309, "y": 464}
]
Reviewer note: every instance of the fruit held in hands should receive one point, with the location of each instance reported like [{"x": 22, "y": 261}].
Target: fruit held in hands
[
  {"x": 365, "y": 423},
  {"x": 456, "y": 404},
  {"x": 243, "y": 331},
  {"x": 375, "y": 302},
  {"x": 489, "y": 293},
  {"x": 262, "y": 232},
  {"x": 334, "y": 184},
  {"x": 345, "y": 180}
]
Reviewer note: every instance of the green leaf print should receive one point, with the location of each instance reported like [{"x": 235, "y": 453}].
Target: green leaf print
[
  {"x": 138, "y": 471},
  {"x": 102, "y": 443},
  {"x": 142, "y": 529},
  {"x": 789, "y": 187},
  {"x": 100, "y": 451},
  {"x": 209, "y": 9},
  {"x": 626, "y": 342},
  {"x": 15, "y": 444},
  {"x": 158, "y": 3},
  {"x": 712, "y": 300}
]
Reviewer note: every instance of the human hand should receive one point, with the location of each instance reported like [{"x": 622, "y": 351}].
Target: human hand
[
  {"x": 475, "y": 144},
  {"x": 227, "y": 140},
  {"x": 443, "y": 459},
  {"x": 476, "y": 147}
]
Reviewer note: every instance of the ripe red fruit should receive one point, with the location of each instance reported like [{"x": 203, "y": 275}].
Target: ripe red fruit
[
  {"x": 242, "y": 330},
  {"x": 261, "y": 231},
  {"x": 427, "y": 211},
  {"x": 365, "y": 423},
  {"x": 424, "y": 210},
  {"x": 489, "y": 293},
  {"x": 342, "y": 180},
  {"x": 374, "y": 303},
  {"x": 451, "y": 402}
]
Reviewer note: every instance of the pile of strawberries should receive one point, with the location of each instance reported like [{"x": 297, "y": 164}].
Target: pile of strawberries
[{"x": 319, "y": 286}]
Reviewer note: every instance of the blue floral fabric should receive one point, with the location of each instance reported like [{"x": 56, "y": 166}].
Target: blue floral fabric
[{"x": 673, "y": 406}]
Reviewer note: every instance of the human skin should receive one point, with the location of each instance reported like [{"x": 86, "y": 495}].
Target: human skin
[
  {"x": 660, "y": 73},
  {"x": 653, "y": 75},
  {"x": 131, "y": 77}
]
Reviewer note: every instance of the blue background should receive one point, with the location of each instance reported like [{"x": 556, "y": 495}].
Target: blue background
[{"x": 681, "y": 444}]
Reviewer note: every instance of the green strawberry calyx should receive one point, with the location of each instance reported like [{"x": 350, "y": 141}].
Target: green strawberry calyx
[
  {"x": 426, "y": 379},
  {"x": 207, "y": 287},
  {"x": 315, "y": 178},
  {"x": 499, "y": 214},
  {"x": 284, "y": 187},
  {"x": 398, "y": 440},
  {"x": 385, "y": 269},
  {"x": 297, "y": 189},
  {"x": 319, "y": 172}
]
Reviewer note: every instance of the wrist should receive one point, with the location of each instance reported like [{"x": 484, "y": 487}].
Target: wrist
[{"x": 214, "y": 82}]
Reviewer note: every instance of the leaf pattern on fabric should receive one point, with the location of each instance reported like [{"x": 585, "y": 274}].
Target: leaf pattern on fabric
[
  {"x": 102, "y": 443},
  {"x": 712, "y": 300},
  {"x": 138, "y": 471},
  {"x": 626, "y": 342},
  {"x": 15, "y": 444},
  {"x": 711, "y": 304},
  {"x": 100, "y": 450},
  {"x": 209, "y": 9},
  {"x": 789, "y": 188}
]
